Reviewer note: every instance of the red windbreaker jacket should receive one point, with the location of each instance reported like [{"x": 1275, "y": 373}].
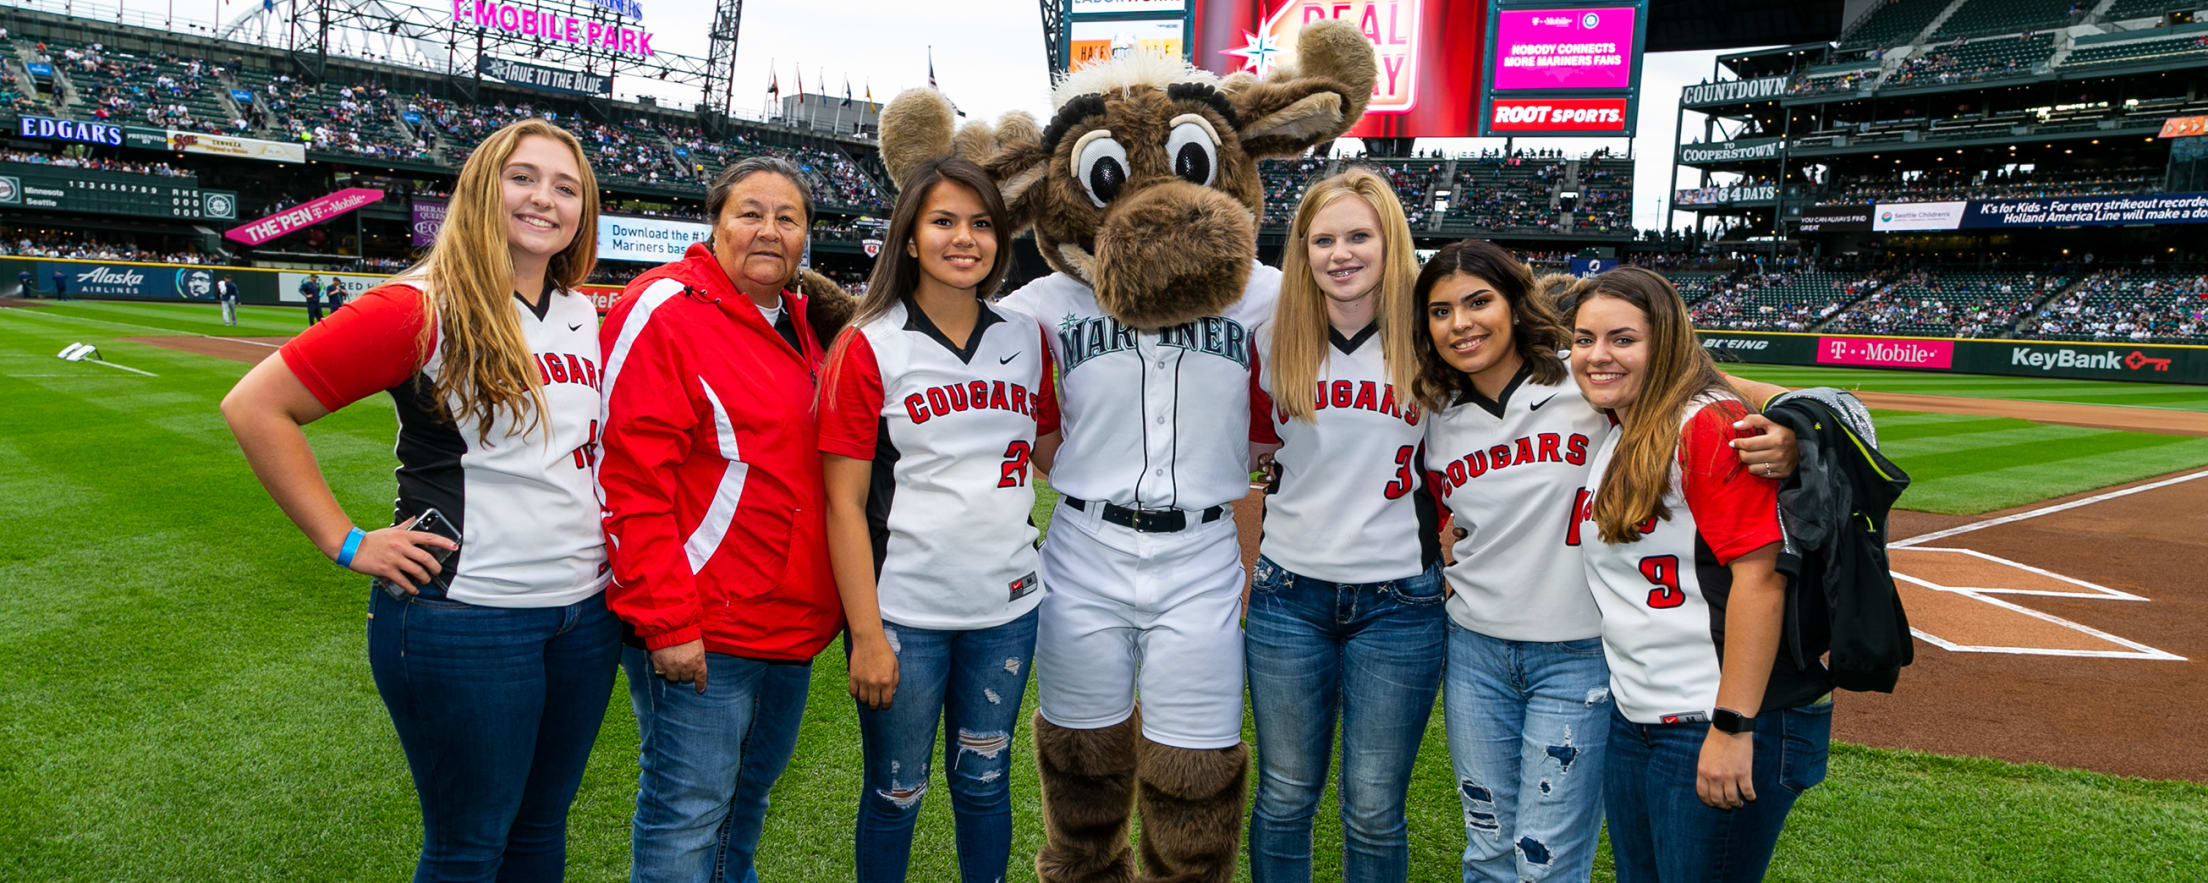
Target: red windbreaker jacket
[{"x": 710, "y": 469}]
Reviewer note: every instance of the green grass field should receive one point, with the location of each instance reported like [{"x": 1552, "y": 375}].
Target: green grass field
[{"x": 188, "y": 693}]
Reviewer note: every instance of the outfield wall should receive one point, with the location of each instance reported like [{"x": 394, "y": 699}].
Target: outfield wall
[
  {"x": 143, "y": 281},
  {"x": 2079, "y": 360}
]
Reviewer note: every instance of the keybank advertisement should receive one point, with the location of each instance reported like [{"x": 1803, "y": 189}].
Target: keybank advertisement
[
  {"x": 2136, "y": 363},
  {"x": 126, "y": 281},
  {"x": 651, "y": 240}
]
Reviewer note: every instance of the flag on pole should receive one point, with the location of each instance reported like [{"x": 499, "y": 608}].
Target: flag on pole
[
  {"x": 801, "y": 81},
  {"x": 846, "y": 90},
  {"x": 774, "y": 83},
  {"x": 931, "y": 67},
  {"x": 870, "y": 94}
]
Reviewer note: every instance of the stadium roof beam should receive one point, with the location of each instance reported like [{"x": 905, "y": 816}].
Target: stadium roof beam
[
  {"x": 1053, "y": 27},
  {"x": 728, "y": 19}
]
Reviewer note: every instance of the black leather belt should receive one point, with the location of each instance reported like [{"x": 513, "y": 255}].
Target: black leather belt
[{"x": 1150, "y": 520}]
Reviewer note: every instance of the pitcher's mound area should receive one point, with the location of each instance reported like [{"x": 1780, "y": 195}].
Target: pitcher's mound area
[{"x": 250, "y": 350}]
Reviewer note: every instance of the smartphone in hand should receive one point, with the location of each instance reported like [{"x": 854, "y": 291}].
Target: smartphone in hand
[{"x": 431, "y": 521}]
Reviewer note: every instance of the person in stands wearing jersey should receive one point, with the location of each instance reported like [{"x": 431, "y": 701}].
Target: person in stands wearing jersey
[
  {"x": 1714, "y": 733},
  {"x": 1345, "y": 616},
  {"x": 936, "y": 409},
  {"x": 495, "y": 666},
  {"x": 1527, "y": 696},
  {"x": 713, "y": 510}
]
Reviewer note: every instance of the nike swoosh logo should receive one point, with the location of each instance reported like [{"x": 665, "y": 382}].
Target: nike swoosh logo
[
  {"x": 1536, "y": 406},
  {"x": 1007, "y": 360},
  {"x": 579, "y": 326}
]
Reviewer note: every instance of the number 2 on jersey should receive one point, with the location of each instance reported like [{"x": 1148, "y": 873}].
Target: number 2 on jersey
[{"x": 1015, "y": 465}]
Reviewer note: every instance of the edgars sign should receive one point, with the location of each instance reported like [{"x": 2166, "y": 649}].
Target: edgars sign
[{"x": 49, "y": 129}]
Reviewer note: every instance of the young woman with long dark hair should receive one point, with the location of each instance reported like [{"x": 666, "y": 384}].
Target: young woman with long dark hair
[
  {"x": 495, "y": 664},
  {"x": 936, "y": 410}
]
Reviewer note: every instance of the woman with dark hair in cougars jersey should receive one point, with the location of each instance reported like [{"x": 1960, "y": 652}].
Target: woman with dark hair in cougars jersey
[
  {"x": 1526, "y": 696},
  {"x": 935, "y": 411},
  {"x": 1344, "y": 617},
  {"x": 1713, "y": 733},
  {"x": 496, "y": 664}
]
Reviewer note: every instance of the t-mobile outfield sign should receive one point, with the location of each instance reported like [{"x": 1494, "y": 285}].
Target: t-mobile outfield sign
[
  {"x": 1733, "y": 91},
  {"x": 303, "y": 215},
  {"x": 1874, "y": 352}
]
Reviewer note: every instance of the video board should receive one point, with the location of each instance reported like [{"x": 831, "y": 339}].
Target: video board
[
  {"x": 1562, "y": 68},
  {"x": 1428, "y": 53}
]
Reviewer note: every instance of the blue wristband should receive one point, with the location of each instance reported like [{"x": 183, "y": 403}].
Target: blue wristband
[{"x": 352, "y": 544}]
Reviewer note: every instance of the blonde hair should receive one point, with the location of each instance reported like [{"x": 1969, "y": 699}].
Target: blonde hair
[
  {"x": 1300, "y": 324},
  {"x": 470, "y": 279},
  {"x": 1678, "y": 371}
]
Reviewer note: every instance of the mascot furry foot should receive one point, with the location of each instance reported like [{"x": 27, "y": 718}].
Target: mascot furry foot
[
  {"x": 1191, "y": 811},
  {"x": 1088, "y": 779}
]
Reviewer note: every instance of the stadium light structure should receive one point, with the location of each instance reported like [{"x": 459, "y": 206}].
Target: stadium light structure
[{"x": 1053, "y": 25}]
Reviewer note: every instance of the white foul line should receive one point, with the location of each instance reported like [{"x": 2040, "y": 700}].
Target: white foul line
[
  {"x": 241, "y": 340},
  {"x": 2035, "y": 513},
  {"x": 121, "y": 367}
]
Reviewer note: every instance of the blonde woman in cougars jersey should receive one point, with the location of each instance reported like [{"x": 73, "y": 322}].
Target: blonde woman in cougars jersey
[
  {"x": 496, "y": 664},
  {"x": 1526, "y": 697},
  {"x": 1713, "y": 732},
  {"x": 1344, "y": 617}
]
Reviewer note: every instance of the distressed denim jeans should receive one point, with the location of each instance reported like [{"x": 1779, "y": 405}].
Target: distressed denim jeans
[
  {"x": 497, "y": 709},
  {"x": 1527, "y": 721},
  {"x": 973, "y": 681},
  {"x": 707, "y": 763},
  {"x": 1369, "y": 653},
  {"x": 1661, "y": 831}
]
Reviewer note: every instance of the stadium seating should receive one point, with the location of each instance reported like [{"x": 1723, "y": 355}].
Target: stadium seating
[
  {"x": 1947, "y": 304},
  {"x": 1284, "y": 181},
  {"x": 1976, "y": 17},
  {"x": 156, "y": 90},
  {"x": 2122, "y": 10},
  {"x": 1504, "y": 195},
  {"x": 1892, "y": 24},
  {"x": 2005, "y": 56},
  {"x": 1787, "y": 301},
  {"x": 2137, "y": 52},
  {"x": 2130, "y": 305}
]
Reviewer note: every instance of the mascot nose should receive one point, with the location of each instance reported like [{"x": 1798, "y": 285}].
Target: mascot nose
[{"x": 1171, "y": 252}]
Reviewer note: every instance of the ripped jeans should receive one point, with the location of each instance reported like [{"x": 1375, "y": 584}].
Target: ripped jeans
[
  {"x": 973, "y": 680},
  {"x": 1528, "y": 723}
]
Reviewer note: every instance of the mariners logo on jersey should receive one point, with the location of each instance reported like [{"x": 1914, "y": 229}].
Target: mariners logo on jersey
[{"x": 1086, "y": 337}]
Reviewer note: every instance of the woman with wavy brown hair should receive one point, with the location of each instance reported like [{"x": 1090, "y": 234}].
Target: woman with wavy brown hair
[{"x": 488, "y": 633}]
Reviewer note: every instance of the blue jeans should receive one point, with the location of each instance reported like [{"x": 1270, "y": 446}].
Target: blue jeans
[
  {"x": 496, "y": 709},
  {"x": 708, "y": 762},
  {"x": 974, "y": 681},
  {"x": 1661, "y": 831},
  {"x": 1371, "y": 652},
  {"x": 1527, "y": 721}
]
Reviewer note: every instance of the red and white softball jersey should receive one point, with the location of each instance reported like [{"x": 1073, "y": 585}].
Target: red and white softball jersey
[
  {"x": 949, "y": 431},
  {"x": 1512, "y": 471},
  {"x": 1155, "y": 418},
  {"x": 1352, "y": 504},
  {"x": 1663, "y": 596},
  {"x": 525, "y": 502}
]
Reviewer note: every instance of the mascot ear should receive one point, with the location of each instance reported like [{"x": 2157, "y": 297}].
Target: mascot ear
[
  {"x": 1314, "y": 102},
  {"x": 827, "y": 307},
  {"x": 920, "y": 124}
]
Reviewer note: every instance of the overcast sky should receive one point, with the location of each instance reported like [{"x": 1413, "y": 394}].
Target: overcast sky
[{"x": 988, "y": 58}]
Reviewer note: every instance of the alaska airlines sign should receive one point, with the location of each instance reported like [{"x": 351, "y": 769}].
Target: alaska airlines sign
[{"x": 516, "y": 19}]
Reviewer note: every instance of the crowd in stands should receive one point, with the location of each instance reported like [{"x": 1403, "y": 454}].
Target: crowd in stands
[
  {"x": 1953, "y": 63},
  {"x": 2124, "y": 304},
  {"x": 2000, "y": 184},
  {"x": 48, "y": 245},
  {"x": 92, "y": 162},
  {"x": 1962, "y": 304},
  {"x": 16, "y": 95},
  {"x": 1283, "y": 181},
  {"x": 351, "y": 118},
  {"x": 1847, "y": 82},
  {"x": 1786, "y": 300}
]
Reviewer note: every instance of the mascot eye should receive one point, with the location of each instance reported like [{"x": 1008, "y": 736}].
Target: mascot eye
[
  {"x": 1100, "y": 163},
  {"x": 1194, "y": 152}
]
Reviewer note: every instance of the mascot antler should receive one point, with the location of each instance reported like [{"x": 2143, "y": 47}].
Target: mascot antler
[{"x": 1144, "y": 184}]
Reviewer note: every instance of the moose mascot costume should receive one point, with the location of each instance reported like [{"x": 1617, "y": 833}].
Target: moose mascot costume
[{"x": 1143, "y": 194}]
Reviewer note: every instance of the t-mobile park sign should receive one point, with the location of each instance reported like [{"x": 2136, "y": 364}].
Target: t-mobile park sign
[
  {"x": 514, "y": 19},
  {"x": 304, "y": 215}
]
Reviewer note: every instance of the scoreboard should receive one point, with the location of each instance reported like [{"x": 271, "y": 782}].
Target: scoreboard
[{"x": 91, "y": 191}]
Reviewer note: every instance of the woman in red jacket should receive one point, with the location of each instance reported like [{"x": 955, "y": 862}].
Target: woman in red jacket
[{"x": 713, "y": 514}]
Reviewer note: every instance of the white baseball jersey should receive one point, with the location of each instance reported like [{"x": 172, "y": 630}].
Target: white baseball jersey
[
  {"x": 1663, "y": 596},
  {"x": 949, "y": 431},
  {"x": 1511, "y": 471},
  {"x": 1153, "y": 418},
  {"x": 1352, "y": 504},
  {"x": 525, "y": 502}
]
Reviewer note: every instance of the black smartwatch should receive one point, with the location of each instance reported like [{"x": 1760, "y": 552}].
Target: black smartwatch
[{"x": 1727, "y": 720}]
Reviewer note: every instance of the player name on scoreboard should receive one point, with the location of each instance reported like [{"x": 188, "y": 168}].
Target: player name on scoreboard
[{"x": 60, "y": 188}]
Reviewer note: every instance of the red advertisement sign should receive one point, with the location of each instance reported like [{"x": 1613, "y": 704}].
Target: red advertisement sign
[
  {"x": 1428, "y": 53},
  {"x": 1576, "y": 116},
  {"x": 306, "y": 214},
  {"x": 1875, "y": 352}
]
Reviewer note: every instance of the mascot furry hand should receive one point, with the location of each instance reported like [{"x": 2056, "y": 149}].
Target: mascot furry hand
[{"x": 1143, "y": 194}]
